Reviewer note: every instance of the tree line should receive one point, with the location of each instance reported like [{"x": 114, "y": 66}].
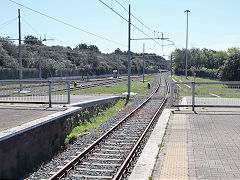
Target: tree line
[
  {"x": 66, "y": 61},
  {"x": 223, "y": 65}
]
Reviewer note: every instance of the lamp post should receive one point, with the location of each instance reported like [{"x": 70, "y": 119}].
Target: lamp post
[{"x": 187, "y": 11}]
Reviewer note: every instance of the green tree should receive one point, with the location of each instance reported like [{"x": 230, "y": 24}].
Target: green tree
[
  {"x": 118, "y": 51},
  {"x": 32, "y": 40},
  {"x": 230, "y": 71},
  {"x": 81, "y": 46},
  {"x": 233, "y": 50},
  {"x": 220, "y": 57},
  {"x": 93, "y": 48},
  {"x": 179, "y": 60}
]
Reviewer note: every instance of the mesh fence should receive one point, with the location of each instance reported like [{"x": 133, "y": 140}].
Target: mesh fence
[
  {"x": 55, "y": 92},
  {"x": 206, "y": 93}
]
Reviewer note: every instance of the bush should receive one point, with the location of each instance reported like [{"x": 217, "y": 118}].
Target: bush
[{"x": 203, "y": 72}]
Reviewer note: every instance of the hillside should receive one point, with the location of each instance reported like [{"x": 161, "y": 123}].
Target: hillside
[{"x": 65, "y": 61}]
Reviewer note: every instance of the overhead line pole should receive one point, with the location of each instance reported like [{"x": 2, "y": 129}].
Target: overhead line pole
[
  {"x": 129, "y": 53},
  {"x": 20, "y": 49},
  {"x": 40, "y": 64},
  {"x": 143, "y": 61},
  {"x": 118, "y": 66},
  {"x": 171, "y": 67}
]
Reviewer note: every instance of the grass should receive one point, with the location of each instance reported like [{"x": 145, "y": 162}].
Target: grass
[
  {"x": 161, "y": 145},
  {"x": 150, "y": 178},
  {"x": 206, "y": 90},
  {"x": 95, "y": 121},
  {"x": 44, "y": 105},
  {"x": 136, "y": 87},
  {"x": 190, "y": 79}
]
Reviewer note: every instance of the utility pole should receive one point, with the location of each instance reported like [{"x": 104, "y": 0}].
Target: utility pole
[
  {"x": 143, "y": 61},
  {"x": 20, "y": 49},
  {"x": 129, "y": 53},
  {"x": 162, "y": 46},
  {"x": 118, "y": 66},
  {"x": 171, "y": 67},
  {"x": 138, "y": 67},
  {"x": 187, "y": 11},
  {"x": 40, "y": 64},
  {"x": 40, "y": 56}
]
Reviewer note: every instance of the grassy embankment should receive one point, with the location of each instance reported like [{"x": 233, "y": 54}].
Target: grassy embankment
[
  {"x": 94, "y": 122},
  {"x": 206, "y": 90},
  {"x": 136, "y": 87}
]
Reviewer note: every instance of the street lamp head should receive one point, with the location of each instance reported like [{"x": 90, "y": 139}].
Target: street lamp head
[{"x": 187, "y": 11}]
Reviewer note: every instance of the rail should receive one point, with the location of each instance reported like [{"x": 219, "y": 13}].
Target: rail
[
  {"x": 73, "y": 163},
  {"x": 120, "y": 173},
  {"x": 48, "y": 91}
]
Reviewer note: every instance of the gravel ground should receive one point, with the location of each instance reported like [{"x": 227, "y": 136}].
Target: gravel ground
[
  {"x": 145, "y": 140},
  {"x": 83, "y": 141}
]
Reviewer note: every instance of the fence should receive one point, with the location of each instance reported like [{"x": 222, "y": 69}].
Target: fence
[
  {"x": 205, "y": 94},
  {"x": 35, "y": 91}
]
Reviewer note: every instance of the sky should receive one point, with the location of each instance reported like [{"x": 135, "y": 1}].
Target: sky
[{"x": 213, "y": 24}]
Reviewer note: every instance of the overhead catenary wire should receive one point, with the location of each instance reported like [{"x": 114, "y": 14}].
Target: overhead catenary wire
[
  {"x": 22, "y": 35},
  {"x": 35, "y": 35},
  {"x": 153, "y": 31},
  {"x": 3, "y": 25},
  {"x": 61, "y": 40},
  {"x": 113, "y": 10},
  {"x": 127, "y": 21},
  {"x": 67, "y": 24},
  {"x": 44, "y": 34},
  {"x": 8, "y": 21},
  {"x": 30, "y": 25}
]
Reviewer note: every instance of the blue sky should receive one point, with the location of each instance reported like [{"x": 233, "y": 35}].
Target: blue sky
[{"x": 212, "y": 24}]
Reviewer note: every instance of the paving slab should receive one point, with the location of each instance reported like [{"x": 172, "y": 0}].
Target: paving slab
[
  {"x": 214, "y": 143},
  {"x": 201, "y": 145}
]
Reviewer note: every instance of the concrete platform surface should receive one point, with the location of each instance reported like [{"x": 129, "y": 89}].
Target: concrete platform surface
[
  {"x": 201, "y": 145},
  {"x": 15, "y": 118},
  {"x": 145, "y": 164}
]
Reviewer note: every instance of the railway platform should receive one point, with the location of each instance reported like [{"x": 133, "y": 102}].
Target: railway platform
[
  {"x": 17, "y": 117},
  {"x": 197, "y": 145}
]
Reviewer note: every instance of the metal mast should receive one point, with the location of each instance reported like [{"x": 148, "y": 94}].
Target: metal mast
[
  {"x": 20, "y": 49},
  {"x": 129, "y": 53}
]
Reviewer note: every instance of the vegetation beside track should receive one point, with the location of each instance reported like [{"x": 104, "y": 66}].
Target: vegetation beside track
[
  {"x": 206, "y": 90},
  {"x": 95, "y": 121},
  {"x": 136, "y": 87}
]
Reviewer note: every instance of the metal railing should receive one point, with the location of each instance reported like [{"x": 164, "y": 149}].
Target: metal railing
[
  {"x": 35, "y": 91},
  {"x": 205, "y": 94}
]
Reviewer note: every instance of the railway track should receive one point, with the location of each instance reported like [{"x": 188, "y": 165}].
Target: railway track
[
  {"x": 110, "y": 155},
  {"x": 59, "y": 87}
]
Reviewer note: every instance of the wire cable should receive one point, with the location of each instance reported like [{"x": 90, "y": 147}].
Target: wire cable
[
  {"x": 7, "y": 23},
  {"x": 30, "y": 26},
  {"x": 131, "y": 23},
  {"x": 135, "y": 17},
  {"x": 61, "y": 40},
  {"x": 113, "y": 10},
  {"x": 67, "y": 24}
]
